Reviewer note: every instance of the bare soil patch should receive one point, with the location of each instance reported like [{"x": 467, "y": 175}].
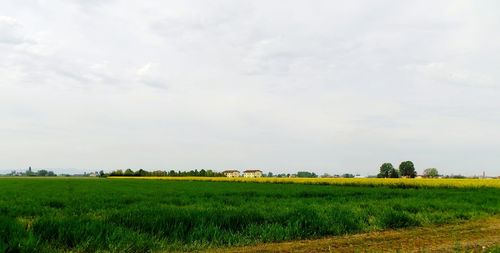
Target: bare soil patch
[{"x": 470, "y": 236}]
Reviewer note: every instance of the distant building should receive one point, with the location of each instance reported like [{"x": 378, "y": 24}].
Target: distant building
[
  {"x": 252, "y": 173},
  {"x": 231, "y": 173}
]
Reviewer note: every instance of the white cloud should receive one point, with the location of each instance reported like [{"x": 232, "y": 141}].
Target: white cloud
[
  {"x": 150, "y": 74},
  {"x": 144, "y": 70},
  {"x": 11, "y": 31},
  {"x": 330, "y": 85},
  {"x": 445, "y": 73}
]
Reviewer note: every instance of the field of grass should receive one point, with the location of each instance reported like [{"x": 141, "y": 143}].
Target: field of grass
[{"x": 130, "y": 215}]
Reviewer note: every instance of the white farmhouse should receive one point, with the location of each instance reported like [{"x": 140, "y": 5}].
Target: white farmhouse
[
  {"x": 231, "y": 173},
  {"x": 252, "y": 173}
]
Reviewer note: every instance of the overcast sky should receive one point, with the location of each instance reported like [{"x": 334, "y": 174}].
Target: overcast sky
[{"x": 328, "y": 86}]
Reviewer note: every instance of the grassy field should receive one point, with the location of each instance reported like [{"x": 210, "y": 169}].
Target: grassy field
[{"x": 130, "y": 215}]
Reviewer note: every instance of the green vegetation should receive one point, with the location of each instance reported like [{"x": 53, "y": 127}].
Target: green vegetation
[
  {"x": 407, "y": 169},
  {"x": 88, "y": 215},
  {"x": 31, "y": 173},
  {"x": 306, "y": 174},
  {"x": 388, "y": 171},
  {"x": 162, "y": 173},
  {"x": 431, "y": 173}
]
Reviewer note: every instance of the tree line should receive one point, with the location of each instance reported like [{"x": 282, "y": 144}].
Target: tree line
[
  {"x": 162, "y": 173},
  {"x": 30, "y": 173},
  {"x": 406, "y": 169}
]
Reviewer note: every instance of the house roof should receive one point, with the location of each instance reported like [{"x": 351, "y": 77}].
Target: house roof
[
  {"x": 230, "y": 171},
  {"x": 250, "y": 171}
]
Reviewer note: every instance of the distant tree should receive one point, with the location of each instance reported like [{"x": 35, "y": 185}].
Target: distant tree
[
  {"x": 117, "y": 173},
  {"x": 306, "y": 174},
  {"x": 270, "y": 174},
  {"x": 407, "y": 169},
  {"x": 128, "y": 172},
  {"x": 101, "y": 173},
  {"x": 42, "y": 173},
  {"x": 141, "y": 173},
  {"x": 385, "y": 170},
  {"x": 431, "y": 172},
  {"x": 393, "y": 173},
  {"x": 455, "y": 176},
  {"x": 159, "y": 173},
  {"x": 347, "y": 175}
]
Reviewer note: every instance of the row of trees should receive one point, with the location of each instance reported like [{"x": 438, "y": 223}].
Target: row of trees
[
  {"x": 205, "y": 173},
  {"x": 406, "y": 169},
  {"x": 307, "y": 174},
  {"x": 30, "y": 173},
  {"x": 44, "y": 173},
  {"x": 196, "y": 173},
  {"x": 171, "y": 173}
]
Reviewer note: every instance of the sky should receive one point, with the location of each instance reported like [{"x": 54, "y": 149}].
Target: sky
[{"x": 325, "y": 86}]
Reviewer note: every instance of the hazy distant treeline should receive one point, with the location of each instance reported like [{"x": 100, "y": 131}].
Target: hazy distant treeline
[
  {"x": 29, "y": 173},
  {"x": 171, "y": 173}
]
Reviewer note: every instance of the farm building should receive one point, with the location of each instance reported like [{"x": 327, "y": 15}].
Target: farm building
[
  {"x": 252, "y": 173},
  {"x": 231, "y": 173}
]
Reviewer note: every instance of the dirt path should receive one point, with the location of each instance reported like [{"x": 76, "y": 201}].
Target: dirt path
[{"x": 472, "y": 235}]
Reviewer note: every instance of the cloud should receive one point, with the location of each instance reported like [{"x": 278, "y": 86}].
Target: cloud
[
  {"x": 11, "y": 32},
  {"x": 87, "y": 5},
  {"x": 150, "y": 75},
  {"x": 144, "y": 70},
  {"x": 446, "y": 73},
  {"x": 328, "y": 85}
]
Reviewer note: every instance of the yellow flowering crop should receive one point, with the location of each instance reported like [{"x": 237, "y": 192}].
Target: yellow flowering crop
[{"x": 396, "y": 182}]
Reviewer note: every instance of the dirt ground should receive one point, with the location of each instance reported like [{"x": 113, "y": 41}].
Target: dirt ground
[{"x": 470, "y": 236}]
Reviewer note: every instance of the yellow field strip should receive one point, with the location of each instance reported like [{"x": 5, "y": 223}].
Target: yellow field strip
[{"x": 419, "y": 182}]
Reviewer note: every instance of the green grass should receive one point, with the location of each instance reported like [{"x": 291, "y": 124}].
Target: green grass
[{"x": 47, "y": 215}]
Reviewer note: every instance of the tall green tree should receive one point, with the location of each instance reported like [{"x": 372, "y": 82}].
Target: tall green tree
[
  {"x": 407, "y": 169},
  {"x": 385, "y": 170},
  {"x": 202, "y": 173},
  {"x": 431, "y": 172},
  {"x": 393, "y": 173}
]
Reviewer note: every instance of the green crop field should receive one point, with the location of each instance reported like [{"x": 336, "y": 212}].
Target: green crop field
[{"x": 125, "y": 215}]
